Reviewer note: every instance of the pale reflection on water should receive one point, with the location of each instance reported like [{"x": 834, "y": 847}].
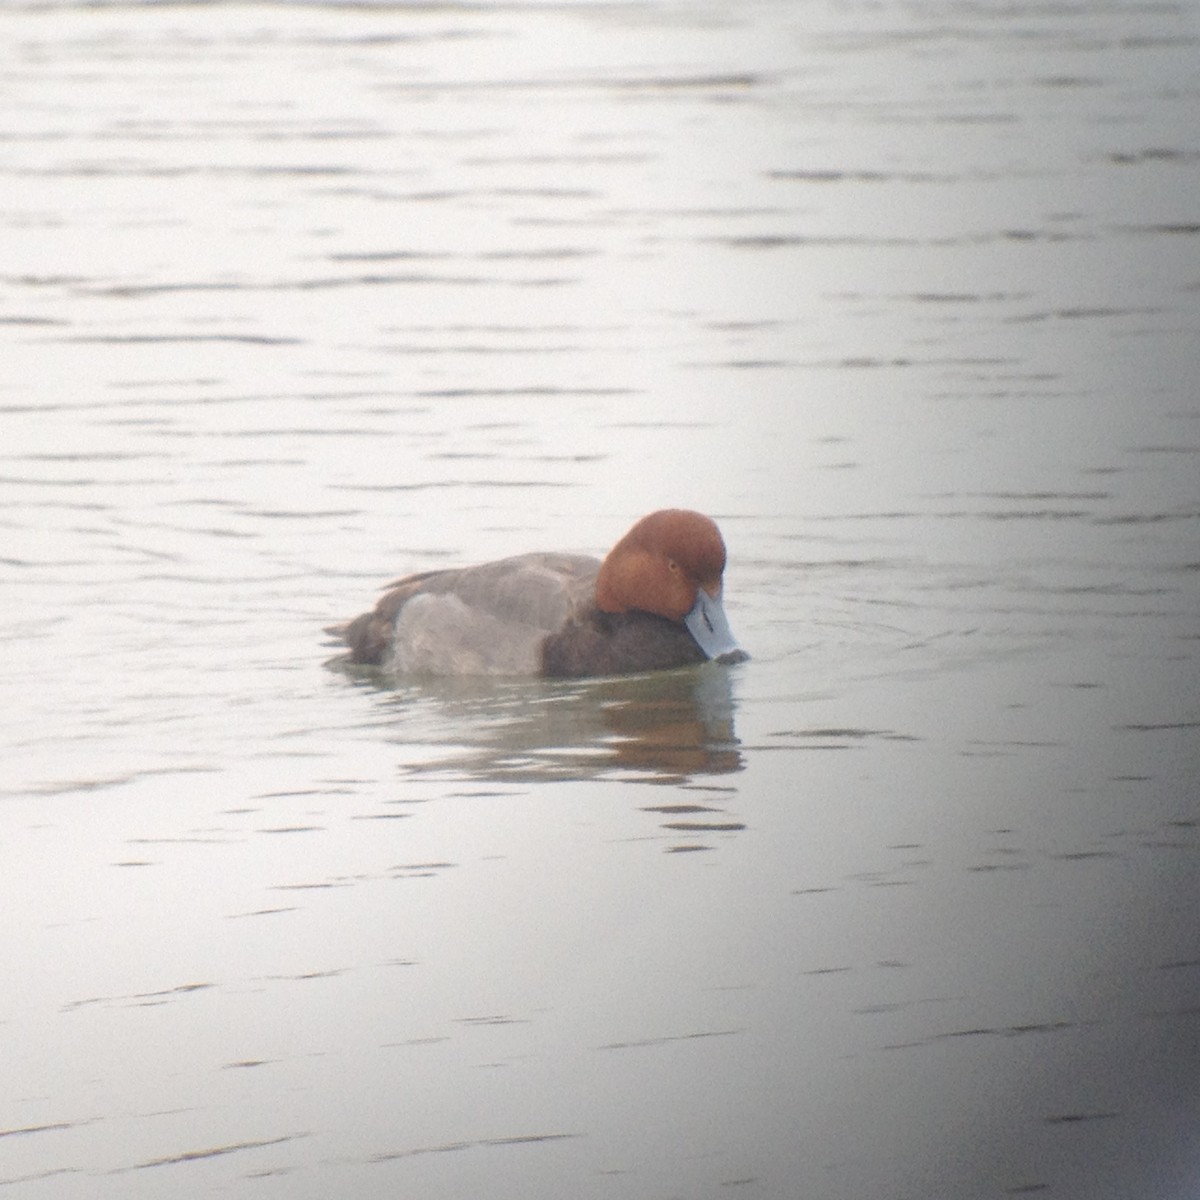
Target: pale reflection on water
[
  {"x": 668, "y": 727},
  {"x": 299, "y": 297}
]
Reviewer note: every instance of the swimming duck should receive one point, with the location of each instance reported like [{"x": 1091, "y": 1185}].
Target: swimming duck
[{"x": 653, "y": 603}]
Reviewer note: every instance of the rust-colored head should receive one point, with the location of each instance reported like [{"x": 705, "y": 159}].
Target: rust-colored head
[{"x": 660, "y": 564}]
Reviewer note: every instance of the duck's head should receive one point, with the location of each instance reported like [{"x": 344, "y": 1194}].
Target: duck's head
[{"x": 671, "y": 563}]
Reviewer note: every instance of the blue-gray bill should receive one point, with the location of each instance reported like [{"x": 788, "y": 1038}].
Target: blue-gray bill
[{"x": 708, "y": 624}]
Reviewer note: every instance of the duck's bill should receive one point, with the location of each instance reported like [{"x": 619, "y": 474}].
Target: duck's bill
[{"x": 709, "y": 626}]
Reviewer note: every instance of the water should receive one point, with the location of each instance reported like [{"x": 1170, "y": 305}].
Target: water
[{"x": 297, "y": 298}]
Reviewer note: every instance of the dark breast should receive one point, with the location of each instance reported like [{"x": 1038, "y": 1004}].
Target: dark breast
[{"x": 599, "y": 643}]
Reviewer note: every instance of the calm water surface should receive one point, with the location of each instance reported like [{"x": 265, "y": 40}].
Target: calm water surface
[{"x": 297, "y": 297}]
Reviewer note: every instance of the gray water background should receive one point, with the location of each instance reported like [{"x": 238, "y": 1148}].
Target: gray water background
[{"x": 296, "y": 297}]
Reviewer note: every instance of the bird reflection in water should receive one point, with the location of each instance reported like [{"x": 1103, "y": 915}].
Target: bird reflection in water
[
  {"x": 673, "y": 725},
  {"x": 668, "y": 726}
]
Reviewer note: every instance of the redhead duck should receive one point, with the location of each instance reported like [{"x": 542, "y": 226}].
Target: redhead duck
[{"x": 653, "y": 603}]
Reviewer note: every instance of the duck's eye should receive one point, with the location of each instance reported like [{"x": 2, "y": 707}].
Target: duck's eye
[{"x": 672, "y": 565}]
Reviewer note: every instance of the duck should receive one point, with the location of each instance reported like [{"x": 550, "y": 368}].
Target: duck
[{"x": 654, "y": 603}]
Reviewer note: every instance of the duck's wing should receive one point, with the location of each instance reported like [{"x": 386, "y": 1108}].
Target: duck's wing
[
  {"x": 491, "y": 619},
  {"x": 483, "y": 620},
  {"x": 538, "y": 590}
]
